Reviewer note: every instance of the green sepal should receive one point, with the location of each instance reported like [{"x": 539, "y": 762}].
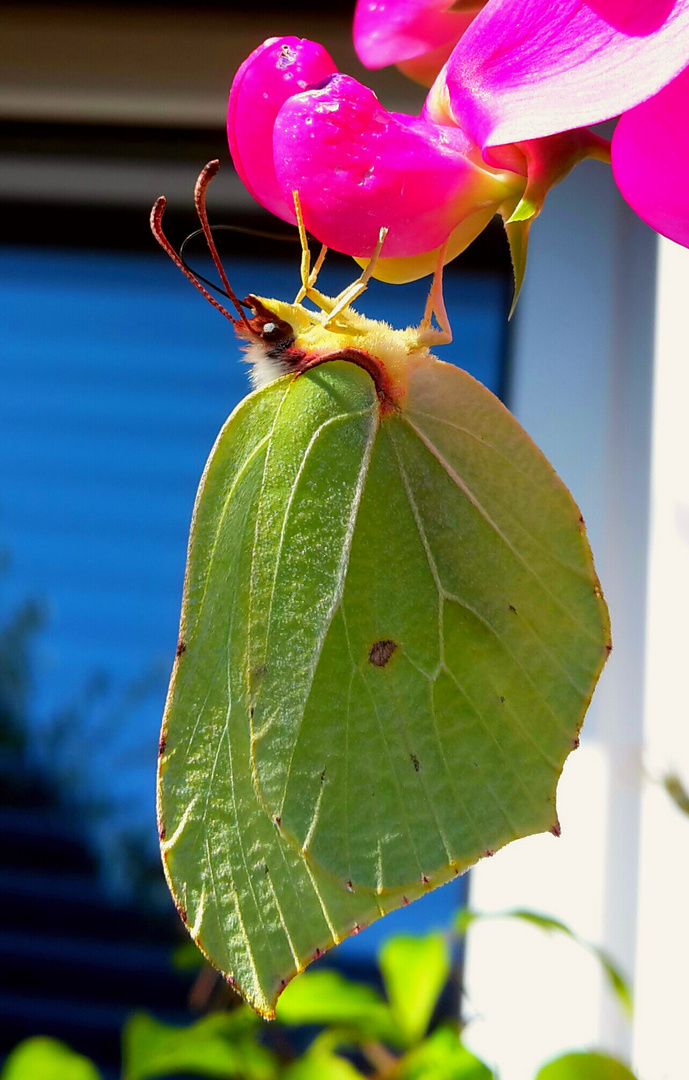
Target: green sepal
[{"x": 517, "y": 231}]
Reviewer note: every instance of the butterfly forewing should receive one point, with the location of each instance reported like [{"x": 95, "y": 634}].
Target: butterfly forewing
[{"x": 391, "y": 629}]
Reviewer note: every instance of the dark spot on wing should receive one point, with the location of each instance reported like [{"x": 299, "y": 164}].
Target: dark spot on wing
[
  {"x": 257, "y": 674},
  {"x": 381, "y": 651}
]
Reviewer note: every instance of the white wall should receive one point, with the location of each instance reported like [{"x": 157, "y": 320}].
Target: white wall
[
  {"x": 660, "y": 1031},
  {"x": 582, "y": 381}
]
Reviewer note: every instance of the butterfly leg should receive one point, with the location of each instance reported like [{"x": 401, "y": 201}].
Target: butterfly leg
[
  {"x": 435, "y": 305},
  {"x": 349, "y": 295},
  {"x": 309, "y": 277}
]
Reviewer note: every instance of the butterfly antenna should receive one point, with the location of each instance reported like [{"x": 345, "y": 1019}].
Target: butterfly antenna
[
  {"x": 157, "y": 230},
  {"x": 205, "y": 176},
  {"x": 349, "y": 295}
]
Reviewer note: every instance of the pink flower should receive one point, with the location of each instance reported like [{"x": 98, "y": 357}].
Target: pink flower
[
  {"x": 276, "y": 70},
  {"x": 650, "y": 155},
  {"x": 505, "y": 119},
  {"x": 417, "y": 35},
  {"x": 525, "y": 69},
  {"x": 296, "y": 124}
]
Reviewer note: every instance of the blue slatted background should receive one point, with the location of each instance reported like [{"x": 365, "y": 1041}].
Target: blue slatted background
[{"x": 115, "y": 377}]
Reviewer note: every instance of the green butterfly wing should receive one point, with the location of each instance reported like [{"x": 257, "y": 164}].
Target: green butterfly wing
[{"x": 390, "y": 633}]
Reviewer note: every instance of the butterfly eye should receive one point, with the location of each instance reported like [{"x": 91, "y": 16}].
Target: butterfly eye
[
  {"x": 274, "y": 332},
  {"x": 266, "y": 325}
]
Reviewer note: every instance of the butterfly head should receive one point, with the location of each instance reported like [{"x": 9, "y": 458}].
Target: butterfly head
[{"x": 281, "y": 337}]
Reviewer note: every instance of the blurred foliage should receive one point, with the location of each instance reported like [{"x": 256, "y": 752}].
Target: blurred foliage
[
  {"x": 49, "y": 763},
  {"x": 614, "y": 977},
  {"x": 16, "y": 639},
  {"x": 47, "y": 1059},
  {"x": 326, "y": 997},
  {"x": 585, "y": 1067},
  {"x": 677, "y": 792},
  {"x": 362, "y": 1033},
  {"x": 221, "y": 1045},
  {"x": 415, "y": 970}
]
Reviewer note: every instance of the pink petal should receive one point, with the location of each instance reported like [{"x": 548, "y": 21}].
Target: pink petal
[
  {"x": 275, "y": 70},
  {"x": 391, "y": 31},
  {"x": 358, "y": 168},
  {"x": 412, "y": 267},
  {"x": 650, "y": 160},
  {"x": 529, "y": 68},
  {"x": 424, "y": 69}
]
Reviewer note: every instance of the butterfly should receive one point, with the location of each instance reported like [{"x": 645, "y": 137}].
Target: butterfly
[{"x": 391, "y": 630}]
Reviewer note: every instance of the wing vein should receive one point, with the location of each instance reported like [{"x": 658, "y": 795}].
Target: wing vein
[
  {"x": 441, "y": 596},
  {"x": 341, "y": 575},
  {"x": 489, "y": 446},
  {"x": 475, "y": 502}
]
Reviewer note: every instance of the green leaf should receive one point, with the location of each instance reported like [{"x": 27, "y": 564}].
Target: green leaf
[
  {"x": 677, "y": 792},
  {"x": 321, "y": 1066},
  {"x": 585, "y": 1067},
  {"x": 186, "y": 957},
  {"x": 41, "y": 1058},
  {"x": 391, "y": 631},
  {"x": 326, "y": 997},
  {"x": 221, "y": 1045},
  {"x": 442, "y": 1057},
  {"x": 616, "y": 980},
  {"x": 415, "y": 970},
  {"x": 321, "y": 1062}
]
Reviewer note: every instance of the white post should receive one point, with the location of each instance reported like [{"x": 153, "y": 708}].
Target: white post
[
  {"x": 660, "y": 1035},
  {"x": 581, "y": 385}
]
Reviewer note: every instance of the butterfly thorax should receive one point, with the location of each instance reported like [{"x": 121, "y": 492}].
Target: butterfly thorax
[{"x": 293, "y": 338}]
